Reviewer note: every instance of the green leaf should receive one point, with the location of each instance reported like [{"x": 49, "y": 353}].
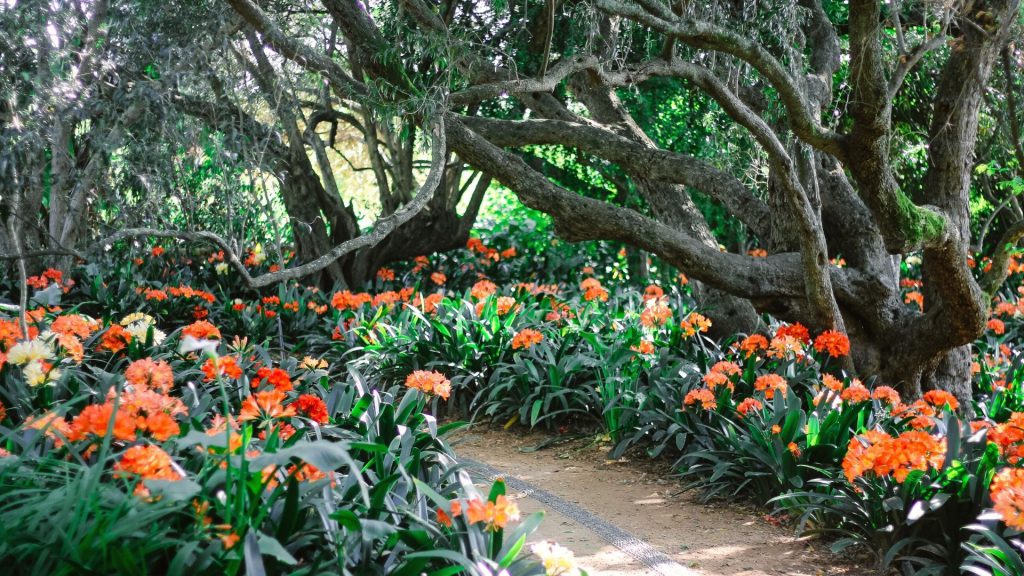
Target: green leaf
[{"x": 269, "y": 546}]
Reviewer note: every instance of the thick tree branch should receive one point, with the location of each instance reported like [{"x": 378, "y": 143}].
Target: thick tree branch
[
  {"x": 654, "y": 164},
  {"x": 578, "y": 218},
  {"x": 559, "y": 72},
  {"x": 908, "y": 61}
]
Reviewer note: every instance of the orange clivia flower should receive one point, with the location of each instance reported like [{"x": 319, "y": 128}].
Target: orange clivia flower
[
  {"x": 386, "y": 298},
  {"x": 704, "y": 396},
  {"x": 656, "y": 313},
  {"x": 438, "y": 278},
  {"x": 429, "y": 382},
  {"x": 694, "y": 323},
  {"x": 483, "y": 289},
  {"x": 526, "y": 338},
  {"x": 346, "y": 300},
  {"x": 878, "y": 452},
  {"x": 748, "y": 404},
  {"x": 147, "y": 461},
  {"x": 146, "y": 373},
  {"x": 644, "y": 347},
  {"x": 115, "y": 339},
  {"x": 752, "y": 344},
  {"x": 265, "y": 406},
  {"x": 1009, "y": 437},
  {"x": 595, "y": 294},
  {"x": 201, "y": 330},
  {"x": 940, "y": 398},
  {"x": 886, "y": 394},
  {"x": 832, "y": 383},
  {"x": 229, "y": 540},
  {"x": 506, "y": 304},
  {"x": 785, "y": 346},
  {"x": 653, "y": 292},
  {"x": 1007, "y": 492},
  {"x": 94, "y": 419},
  {"x": 312, "y": 407},
  {"x": 476, "y": 511},
  {"x": 276, "y": 377},
  {"x": 832, "y": 342},
  {"x": 720, "y": 375},
  {"x": 798, "y": 331},
  {"x": 996, "y": 326},
  {"x": 443, "y": 518},
  {"x": 221, "y": 365},
  {"x": 160, "y": 425},
  {"x": 769, "y": 384},
  {"x": 922, "y": 422},
  {"x": 856, "y": 393},
  {"x": 154, "y": 294},
  {"x": 914, "y": 297},
  {"x": 501, "y": 512},
  {"x": 73, "y": 325},
  {"x": 430, "y": 303}
]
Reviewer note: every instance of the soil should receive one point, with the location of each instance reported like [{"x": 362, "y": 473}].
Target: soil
[{"x": 642, "y": 498}]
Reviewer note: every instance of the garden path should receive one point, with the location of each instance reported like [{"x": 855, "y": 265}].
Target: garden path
[{"x": 629, "y": 519}]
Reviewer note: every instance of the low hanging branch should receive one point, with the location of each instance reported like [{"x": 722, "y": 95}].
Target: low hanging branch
[{"x": 381, "y": 229}]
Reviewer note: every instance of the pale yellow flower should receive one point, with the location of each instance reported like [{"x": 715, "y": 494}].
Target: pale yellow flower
[
  {"x": 138, "y": 317},
  {"x": 557, "y": 560},
  {"x": 310, "y": 363},
  {"x": 29, "y": 351},
  {"x": 139, "y": 330},
  {"x": 36, "y": 375}
]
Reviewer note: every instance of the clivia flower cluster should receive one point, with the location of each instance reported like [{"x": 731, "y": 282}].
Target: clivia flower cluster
[
  {"x": 429, "y": 382},
  {"x": 494, "y": 515}
]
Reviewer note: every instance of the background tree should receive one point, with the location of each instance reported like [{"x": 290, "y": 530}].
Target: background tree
[
  {"x": 123, "y": 115},
  {"x": 812, "y": 84}
]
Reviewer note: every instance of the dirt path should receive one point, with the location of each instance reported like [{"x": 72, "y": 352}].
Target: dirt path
[{"x": 702, "y": 539}]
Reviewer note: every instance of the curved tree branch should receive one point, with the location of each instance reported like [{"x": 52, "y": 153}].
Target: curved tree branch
[
  {"x": 579, "y": 218},
  {"x": 701, "y": 34},
  {"x": 655, "y": 164}
]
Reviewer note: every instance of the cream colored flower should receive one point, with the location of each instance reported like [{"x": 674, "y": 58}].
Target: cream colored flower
[
  {"x": 137, "y": 317},
  {"x": 36, "y": 375},
  {"x": 139, "y": 331},
  {"x": 29, "y": 351},
  {"x": 310, "y": 363},
  {"x": 557, "y": 560},
  {"x": 221, "y": 268}
]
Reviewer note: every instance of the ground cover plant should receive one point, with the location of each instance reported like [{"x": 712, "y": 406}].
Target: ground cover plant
[{"x": 298, "y": 430}]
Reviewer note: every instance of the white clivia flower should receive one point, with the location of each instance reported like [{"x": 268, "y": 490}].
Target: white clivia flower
[
  {"x": 557, "y": 560},
  {"x": 29, "y": 351},
  {"x": 192, "y": 344}
]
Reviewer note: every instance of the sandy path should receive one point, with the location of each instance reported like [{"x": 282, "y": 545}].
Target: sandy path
[{"x": 704, "y": 539}]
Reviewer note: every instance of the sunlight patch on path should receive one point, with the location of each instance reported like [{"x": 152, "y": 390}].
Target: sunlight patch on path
[{"x": 630, "y": 545}]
